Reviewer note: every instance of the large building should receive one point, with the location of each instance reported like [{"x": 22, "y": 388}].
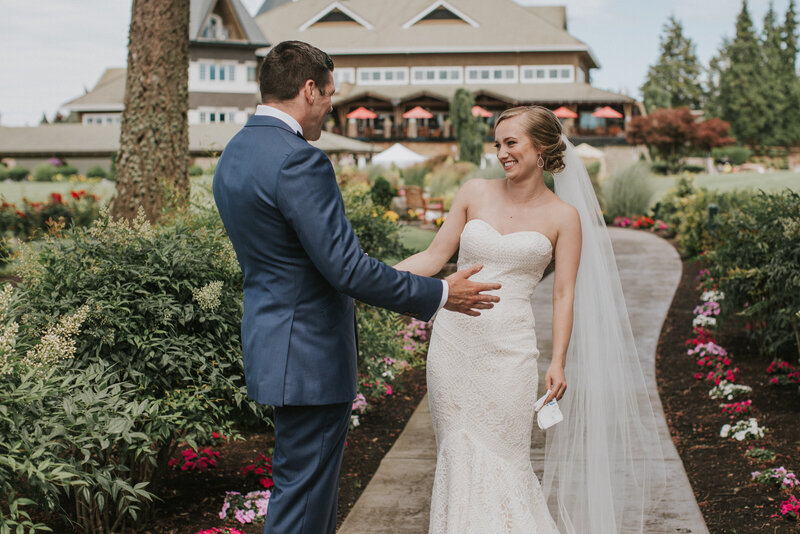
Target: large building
[
  {"x": 393, "y": 56},
  {"x": 223, "y": 86}
]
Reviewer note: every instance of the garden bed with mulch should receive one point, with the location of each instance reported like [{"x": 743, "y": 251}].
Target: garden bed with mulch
[
  {"x": 193, "y": 499},
  {"x": 719, "y": 471}
]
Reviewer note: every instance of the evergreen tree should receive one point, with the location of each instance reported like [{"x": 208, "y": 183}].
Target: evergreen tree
[
  {"x": 740, "y": 99},
  {"x": 790, "y": 112},
  {"x": 44, "y": 119},
  {"x": 154, "y": 138},
  {"x": 674, "y": 81},
  {"x": 470, "y": 131},
  {"x": 773, "y": 84}
]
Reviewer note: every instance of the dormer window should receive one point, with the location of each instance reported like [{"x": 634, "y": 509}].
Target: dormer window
[{"x": 214, "y": 29}]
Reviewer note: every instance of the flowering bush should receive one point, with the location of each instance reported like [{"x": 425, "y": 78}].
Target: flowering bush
[
  {"x": 415, "y": 336},
  {"x": 261, "y": 470},
  {"x": 708, "y": 309},
  {"x": 247, "y": 508},
  {"x": 737, "y": 408},
  {"x": 790, "y": 508},
  {"x": 439, "y": 221},
  {"x": 760, "y": 453},
  {"x": 776, "y": 476},
  {"x": 223, "y": 530},
  {"x": 190, "y": 460},
  {"x": 412, "y": 215},
  {"x": 728, "y": 390},
  {"x": 707, "y": 349},
  {"x": 784, "y": 373},
  {"x": 743, "y": 429},
  {"x": 702, "y": 321},
  {"x": 702, "y": 337},
  {"x": 31, "y": 218},
  {"x": 712, "y": 295}
]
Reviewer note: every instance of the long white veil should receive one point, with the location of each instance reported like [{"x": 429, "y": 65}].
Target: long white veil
[{"x": 604, "y": 469}]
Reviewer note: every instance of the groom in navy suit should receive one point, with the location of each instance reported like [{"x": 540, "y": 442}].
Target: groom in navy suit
[{"x": 302, "y": 267}]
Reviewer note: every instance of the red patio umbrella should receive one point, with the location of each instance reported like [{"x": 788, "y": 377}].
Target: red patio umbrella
[
  {"x": 361, "y": 113},
  {"x": 478, "y": 111},
  {"x": 565, "y": 113},
  {"x": 417, "y": 113},
  {"x": 607, "y": 113}
]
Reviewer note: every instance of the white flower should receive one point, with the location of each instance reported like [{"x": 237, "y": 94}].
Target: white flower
[
  {"x": 742, "y": 430},
  {"x": 712, "y": 296},
  {"x": 703, "y": 320},
  {"x": 207, "y": 297},
  {"x": 725, "y": 431},
  {"x": 354, "y": 422}
]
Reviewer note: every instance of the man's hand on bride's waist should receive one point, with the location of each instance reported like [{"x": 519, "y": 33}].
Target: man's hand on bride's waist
[{"x": 468, "y": 297}]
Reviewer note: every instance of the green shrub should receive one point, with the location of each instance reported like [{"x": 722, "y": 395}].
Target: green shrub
[
  {"x": 593, "y": 169},
  {"x": 684, "y": 209},
  {"x": 756, "y": 261},
  {"x": 18, "y": 173},
  {"x": 736, "y": 155},
  {"x": 32, "y": 219},
  {"x": 67, "y": 170},
  {"x": 96, "y": 172},
  {"x": 445, "y": 179},
  {"x": 415, "y": 175},
  {"x": 164, "y": 312},
  {"x": 377, "y": 234},
  {"x": 3, "y": 172},
  {"x": 44, "y": 172},
  {"x": 195, "y": 170},
  {"x": 382, "y": 192},
  {"x": 628, "y": 191}
]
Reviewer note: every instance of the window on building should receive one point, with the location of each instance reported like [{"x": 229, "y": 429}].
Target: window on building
[
  {"x": 203, "y": 71},
  {"x": 490, "y": 74},
  {"x": 212, "y": 72},
  {"x": 383, "y": 76},
  {"x": 344, "y": 75},
  {"x": 251, "y": 73},
  {"x": 214, "y": 28},
  {"x": 432, "y": 75},
  {"x": 547, "y": 73}
]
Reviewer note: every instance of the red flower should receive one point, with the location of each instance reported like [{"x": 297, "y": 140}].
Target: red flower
[
  {"x": 57, "y": 199},
  {"x": 266, "y": 482},
  {"x": 75, "y": 195}
]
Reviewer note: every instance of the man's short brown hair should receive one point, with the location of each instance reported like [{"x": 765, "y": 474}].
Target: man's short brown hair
[{"x": 287, "y": 67}]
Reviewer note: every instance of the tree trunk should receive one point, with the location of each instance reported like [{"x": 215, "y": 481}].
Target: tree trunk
[{"x": 154, "y": 141}]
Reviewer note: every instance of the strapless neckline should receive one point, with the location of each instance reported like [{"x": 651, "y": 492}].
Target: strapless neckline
[{"x": 496, "y": 231}]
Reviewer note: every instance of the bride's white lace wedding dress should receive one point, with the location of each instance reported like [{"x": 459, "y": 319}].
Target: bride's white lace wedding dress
[{"x": 482, "y": 386}]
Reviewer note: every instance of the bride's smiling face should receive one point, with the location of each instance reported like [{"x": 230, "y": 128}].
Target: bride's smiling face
[{"x": 515, "y": 149}]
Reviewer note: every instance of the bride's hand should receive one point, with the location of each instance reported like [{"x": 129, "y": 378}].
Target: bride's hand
[{"x": 554, "y": 381}]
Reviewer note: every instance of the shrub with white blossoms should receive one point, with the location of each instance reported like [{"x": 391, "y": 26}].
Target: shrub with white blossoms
[
  {"x": 729, "y": 390},
  {"x": 207, "y": 297},
  {"x": 712, "y": 296},
  {"x": 743, "y": 429}
]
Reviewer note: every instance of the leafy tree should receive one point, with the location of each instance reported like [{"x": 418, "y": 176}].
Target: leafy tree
[
  {"x": 154, "y": 140},
  {"x": 774, "y": 83},
  {"x": 470, "y": 131},
  {"x": 740, "y": 98},
  {"x": 672, "y": 133},
  {"x": 674, "y": 81}
]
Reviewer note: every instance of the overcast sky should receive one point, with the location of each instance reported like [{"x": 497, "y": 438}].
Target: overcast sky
[{"x": 50, "y": 50}]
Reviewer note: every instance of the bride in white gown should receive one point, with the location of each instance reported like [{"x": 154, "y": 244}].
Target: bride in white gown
[{"x": 482, "y": 371}]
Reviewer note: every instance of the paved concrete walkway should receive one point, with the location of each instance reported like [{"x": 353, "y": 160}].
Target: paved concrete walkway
[{"x": 397, "y": 499}]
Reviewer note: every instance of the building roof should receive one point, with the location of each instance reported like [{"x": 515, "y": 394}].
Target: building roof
[
  {"x": 201, "y": 9},
  {"x": 107, "y": 95},
  {"x": 391, "y": 27},
  {"x": 514, "y": 94},
  {"x": 92, "y": 140},
  {"x": 271, "y": 4}
]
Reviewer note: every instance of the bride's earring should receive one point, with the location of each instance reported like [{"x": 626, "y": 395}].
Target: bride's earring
[{"x": 540, "y": 161}]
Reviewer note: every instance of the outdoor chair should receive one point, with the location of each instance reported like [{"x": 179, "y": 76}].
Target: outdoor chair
[{"x": 415, "y": 200}]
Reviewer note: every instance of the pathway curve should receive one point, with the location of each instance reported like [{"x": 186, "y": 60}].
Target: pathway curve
[{"x": 397, "y": 499}]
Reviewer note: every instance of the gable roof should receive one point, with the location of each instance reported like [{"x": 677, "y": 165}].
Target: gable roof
[
  {"x": 107, "y": 95},
  {"x": 502, "y": 26},
  {"x": 271, "y": 4},
  {"x": 333, "y": 8},
  {"x": 444, "y": 6},
  {"x": 200, "y": 10}
]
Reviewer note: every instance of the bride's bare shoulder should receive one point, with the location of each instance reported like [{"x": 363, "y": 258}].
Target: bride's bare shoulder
[
  {"x": 565, "y": 212},
  {"x": 476, "y": 188}
]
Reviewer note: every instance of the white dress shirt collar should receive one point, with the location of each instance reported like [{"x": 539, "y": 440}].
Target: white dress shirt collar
[{"x": 290, "y": 121}]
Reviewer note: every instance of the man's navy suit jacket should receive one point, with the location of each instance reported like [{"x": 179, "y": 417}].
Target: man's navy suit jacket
[{"x": 302, "y": 267}]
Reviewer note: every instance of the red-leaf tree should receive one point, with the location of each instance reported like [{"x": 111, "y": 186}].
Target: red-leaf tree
[{"x": 671, "y": 134}]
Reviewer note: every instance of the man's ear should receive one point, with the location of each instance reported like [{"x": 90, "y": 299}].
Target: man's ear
[{"x": 309, "y": 91}]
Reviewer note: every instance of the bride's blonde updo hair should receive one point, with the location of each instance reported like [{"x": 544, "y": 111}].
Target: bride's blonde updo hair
[{"x": 544, "y": 130}]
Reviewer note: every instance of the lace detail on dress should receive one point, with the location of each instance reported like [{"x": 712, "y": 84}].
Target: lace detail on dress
[{"x": 482, "y": 381}]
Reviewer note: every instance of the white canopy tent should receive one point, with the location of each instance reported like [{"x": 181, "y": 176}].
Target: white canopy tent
[{"x": 399, "y": 155}]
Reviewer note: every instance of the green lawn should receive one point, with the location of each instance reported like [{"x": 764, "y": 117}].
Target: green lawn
[
  {"x": 416, "y": 238},
  {"x": 770, "y": 181}
]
